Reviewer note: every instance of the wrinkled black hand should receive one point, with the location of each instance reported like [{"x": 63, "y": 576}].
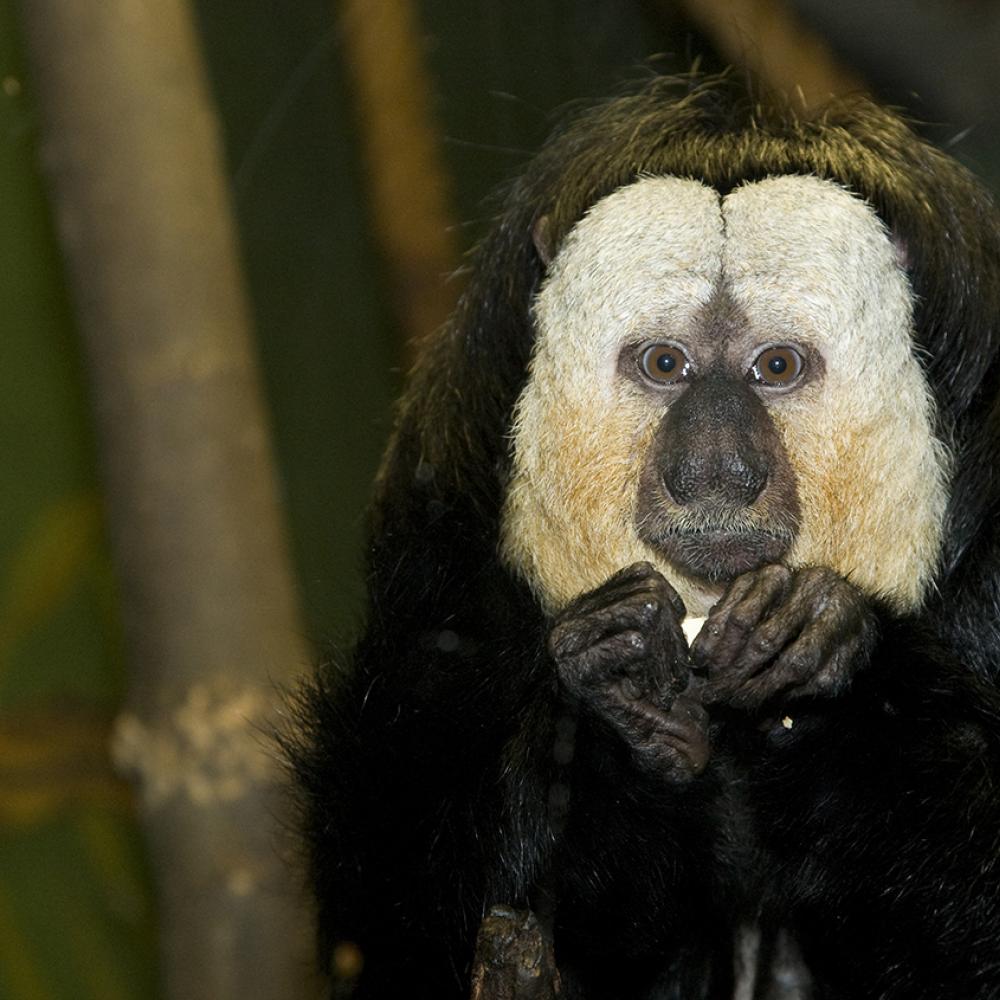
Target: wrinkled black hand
[
  {"x": 779, "y": 633},
  {"x": 620, "y": 653}
]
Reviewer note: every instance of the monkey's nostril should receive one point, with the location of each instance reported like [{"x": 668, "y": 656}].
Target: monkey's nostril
[
  {"x": 684, "y": 479},
  {"x": 730, "y": 478},
  {"x": 749, "y": 482}
]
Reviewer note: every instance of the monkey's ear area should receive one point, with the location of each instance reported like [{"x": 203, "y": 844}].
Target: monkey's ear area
[
  {"x": 902, "y": 252},
  {"x": 541, "y": 236}
]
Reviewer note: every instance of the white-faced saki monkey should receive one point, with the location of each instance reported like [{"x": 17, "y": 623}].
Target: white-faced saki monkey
[{"x": 716, "y": 360}]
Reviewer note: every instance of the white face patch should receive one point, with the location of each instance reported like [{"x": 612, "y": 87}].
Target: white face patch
[{"x": 803, "y": 262}]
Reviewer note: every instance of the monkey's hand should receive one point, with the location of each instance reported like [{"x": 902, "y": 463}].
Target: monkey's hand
[
  {"x": 620, "y": 654},
  {"x": 779, "y": 633}
]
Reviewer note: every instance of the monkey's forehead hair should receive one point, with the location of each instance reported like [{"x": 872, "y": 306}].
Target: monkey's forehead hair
[{"x": 713, "y": 131}]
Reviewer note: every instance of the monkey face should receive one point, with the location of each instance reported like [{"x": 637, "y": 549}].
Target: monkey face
[
  {"x": 717, "y": 495},
  {"x": 723, "y": 382}
]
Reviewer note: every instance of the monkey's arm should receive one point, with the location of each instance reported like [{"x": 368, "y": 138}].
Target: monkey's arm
[
  {"x": 880, "y": 815},
  {"x": 877, "y": 807},
  {"x": 406, "y": 797},
  {"x": 432, "y": 780},
  {"x": 632, "y": 806}
]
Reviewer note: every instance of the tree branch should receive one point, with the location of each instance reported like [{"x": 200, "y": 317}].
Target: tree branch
[{"x": 130, "y": 146}]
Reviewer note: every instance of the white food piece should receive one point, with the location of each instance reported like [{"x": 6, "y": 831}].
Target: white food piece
[
  {"x": 691, "y": 627},
  {"x": 788, "y": 722}
]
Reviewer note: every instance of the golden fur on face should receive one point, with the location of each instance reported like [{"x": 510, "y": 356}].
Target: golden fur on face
[{"x": 803, "y": 261}]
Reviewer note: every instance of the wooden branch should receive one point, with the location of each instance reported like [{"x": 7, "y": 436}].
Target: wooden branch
[
  {"x": 767, "y": 38},
  {"x": 407, "y": 182},
  {"x": 130, "y": 145},
  {"x": 514, "y": 958}
]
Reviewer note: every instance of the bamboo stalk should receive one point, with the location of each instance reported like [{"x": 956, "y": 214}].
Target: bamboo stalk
[
  {"x": 766, "y": 37},
  {"x": 406, "y": 179},
  {"x": 130, "y": 146}
]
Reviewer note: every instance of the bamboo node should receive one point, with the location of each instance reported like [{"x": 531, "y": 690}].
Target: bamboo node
[{"x": 209, "y": 749}]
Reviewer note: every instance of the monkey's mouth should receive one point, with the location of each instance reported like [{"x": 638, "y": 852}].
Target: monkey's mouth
[{"x": 716, "y": 555}]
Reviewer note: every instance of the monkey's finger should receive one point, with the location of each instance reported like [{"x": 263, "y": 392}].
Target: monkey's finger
[
  {"x": 757, "y": 674},
  {"x": 632, "y": 581},
  {"x": 659, "y": 666},
  {"x": 670, "y": 661},
  {"x": 707, "y": 640},
  {"x": 831, "y": 672},
  {"x": 836, "y": 615},
  {"x": 638, "y": 645},
  {"x": 733, "y": 621},
  {"x": 636, "y": 576},
  {"x": 748, "y": 696},
  {"x": 621, "y": 654},
  {"x": 673, "y": 743},
  {"x": 645, "y": 576},
  {"x": 820, "y": 663},
  {"x": 790, "y": 673},
  {"x": 820, "y": 607},
  {"x": 626, "y": 579},
  {"x": 656, "y": 586},
  {"x": 833, "y": 677},
  {"x": 640, "y": 607},
  {"x": 787, "y": 674},
  {"x": 638, "y": 597},
  {"x": 806, "y": 610},
  {"x": 797, "y": 635},
  {"x": 676, "y": 603},
  {"x": 686, "y": 732}
]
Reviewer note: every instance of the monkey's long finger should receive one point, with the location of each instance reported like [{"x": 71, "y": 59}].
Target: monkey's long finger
[
  {"x": 793, "y": 618},
  {"x": 660, "y": 666},
  {"x": 632, "y": 581},
  {"x": 725, "y": 687},
  {"x": 834, "y": 676},
  {"x": 674, "y": 742},
  {"x": 790, "y": 673},
  {"x": 671, "y": 662},
  {"x": 635, "y": 575},
  {"x": 839, "y": 638},
  {"x": 686, "y": 732},
  {"x": 733, "y": 621},
  {"x": 708, "y": 638},
  {"x": 818, "y": 664},
  {"x": 819, "y": 607},
  {"x": 638, "y": 608},
  {"x": 641, "y": 576},
  {"x": 749, "y": 695},
  {"x": 752, "y": 679}
]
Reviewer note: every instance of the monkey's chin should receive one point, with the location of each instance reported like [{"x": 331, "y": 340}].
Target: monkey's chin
[{"x": 716, "y": 557}]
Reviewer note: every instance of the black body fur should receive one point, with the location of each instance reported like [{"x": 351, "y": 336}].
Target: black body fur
[{"x": 429, "y": 764}]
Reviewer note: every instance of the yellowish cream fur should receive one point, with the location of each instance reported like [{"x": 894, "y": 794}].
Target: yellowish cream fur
[{"x": 803, "y": 261}]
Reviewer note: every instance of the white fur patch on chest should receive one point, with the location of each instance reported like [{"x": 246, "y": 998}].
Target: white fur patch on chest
[{"x": 802, "y": 260}]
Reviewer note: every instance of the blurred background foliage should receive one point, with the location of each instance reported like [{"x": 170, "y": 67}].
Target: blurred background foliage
[{"x": 362, "y": 138}]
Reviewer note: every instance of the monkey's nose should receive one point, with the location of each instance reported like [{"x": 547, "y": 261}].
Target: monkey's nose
[{"x": 728, "y": 477}]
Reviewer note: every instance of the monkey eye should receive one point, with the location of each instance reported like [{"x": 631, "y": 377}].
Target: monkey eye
[
  {"x": 664, "y": 363},
  {"x": 777, "y": 366}
]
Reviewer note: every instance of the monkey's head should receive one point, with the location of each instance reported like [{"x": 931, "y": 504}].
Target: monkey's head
[
  {"x": 713, "y": 334},
  {"x": 721, "y": 382}
]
